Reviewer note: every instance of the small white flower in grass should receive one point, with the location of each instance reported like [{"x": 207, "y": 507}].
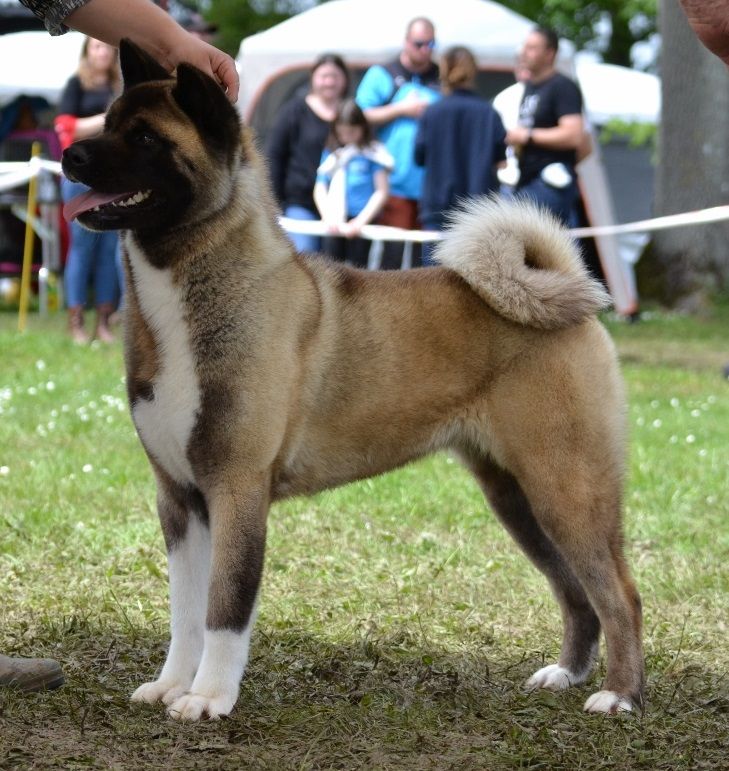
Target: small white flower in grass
[
  {"x": 41, "y": 431},
  {"x": 32, "y": 391},
  {"x": 640, "y": 422},
  {"x": 93, "y": 405},
  {"x": 711, "y": 499},
  {"x": 84, "y": 418},
  {"x": 88, "y": 468},
  {"x": 54, "y": 413},
  {"x": 40, "y": 365},
  {"x": 65, "y": 408},
  {"x": 80, "y": 526},
  {"x": 703, "y": 453},
  {"x": 109, "y": 418},
  {"x": 50, "y": 386},
  {"x": 690, "y": 439},
  {"x": 695, "y": 413},
  {"x": 711, "y": 399},
  {"x": 655, "y": 404},
  {"x": 4, "y": 471},
  {"x": 675, "y": 402},
  {"x": 657, "y": 423},
  {"x": 51, "y": 425},
  {"x": 673, "y": 439}
]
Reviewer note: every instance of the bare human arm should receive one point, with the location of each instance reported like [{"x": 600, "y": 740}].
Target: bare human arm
[
  {"x": 372, "y": 208},
  {"x": 386, "y": 113},
  {"x": 158, "y": 33},
  {"x": 709, "y": 19},
  {"x": 88, "y": 127},
  {"x": 566, "y": 135}
]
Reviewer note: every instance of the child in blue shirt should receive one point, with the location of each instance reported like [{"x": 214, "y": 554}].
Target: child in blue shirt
[{"x": 352, "y": 184}]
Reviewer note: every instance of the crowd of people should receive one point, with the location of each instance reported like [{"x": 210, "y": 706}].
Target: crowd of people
[{"x": 417, "y": 139}]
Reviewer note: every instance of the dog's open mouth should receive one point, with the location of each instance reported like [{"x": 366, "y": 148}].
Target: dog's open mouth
[{"x": 103, "y": 202}]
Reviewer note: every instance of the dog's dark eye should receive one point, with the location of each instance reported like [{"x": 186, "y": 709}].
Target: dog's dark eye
[{"x": 145, "y": 138}]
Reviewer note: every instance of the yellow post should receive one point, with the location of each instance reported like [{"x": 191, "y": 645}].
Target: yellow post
[{"x": 28, "y": 246}]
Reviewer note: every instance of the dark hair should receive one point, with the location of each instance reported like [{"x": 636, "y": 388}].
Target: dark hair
[
  {"x": 550, "y": 37},
  {"x": 457, "y": 68},
  {"x": 349, "y": 114},
  {"x": 338, "y": 62}
]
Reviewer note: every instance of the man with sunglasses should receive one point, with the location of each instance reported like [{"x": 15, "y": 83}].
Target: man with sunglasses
[{"x": 393, "y": 96}]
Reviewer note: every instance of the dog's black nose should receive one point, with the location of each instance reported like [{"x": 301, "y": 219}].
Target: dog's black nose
[{"x": 76, "y": 155}]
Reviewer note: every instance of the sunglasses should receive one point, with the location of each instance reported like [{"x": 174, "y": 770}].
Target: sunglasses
[{"x": 424, "y": 44}]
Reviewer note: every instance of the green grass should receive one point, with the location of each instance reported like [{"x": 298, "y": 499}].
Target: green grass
[{"x": 398, "y": 622}]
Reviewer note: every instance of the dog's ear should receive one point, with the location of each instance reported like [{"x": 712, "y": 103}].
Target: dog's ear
[
  {"x": 138, "y": 66},
  {"x": 205, "y": 103}
]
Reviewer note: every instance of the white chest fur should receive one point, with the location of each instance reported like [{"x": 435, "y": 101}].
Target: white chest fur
[{"x": 165, "y": 423}]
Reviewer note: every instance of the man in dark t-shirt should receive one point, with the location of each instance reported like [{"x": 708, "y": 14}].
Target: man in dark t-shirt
[{"x": 550, "y": 129}]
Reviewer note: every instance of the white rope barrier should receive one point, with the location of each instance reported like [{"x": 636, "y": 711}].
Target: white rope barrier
[
  {"x": 698, "y": 217},
  {"x": 13, "y": 174},
  {"x": 386, "y": 233}
]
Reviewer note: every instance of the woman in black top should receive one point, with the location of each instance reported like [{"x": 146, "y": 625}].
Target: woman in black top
[
  {"x": 297, "y": 139},
  {"x": 81, "y": 113}
]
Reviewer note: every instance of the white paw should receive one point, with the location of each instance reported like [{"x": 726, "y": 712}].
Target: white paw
[
  {"x": 194, "y": 707},
  {"x": 553, "y": 678},
  {"x": 608, "y": 703},
  {"x": 165, "y": 691}
]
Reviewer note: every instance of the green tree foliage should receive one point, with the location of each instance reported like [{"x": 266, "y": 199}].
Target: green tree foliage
[
  {"x": 626, "y": 22},
  {"x": 237, "y": 19}
]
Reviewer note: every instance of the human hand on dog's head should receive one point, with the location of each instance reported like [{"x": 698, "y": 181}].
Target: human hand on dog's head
[
  {"x": 155, "y": 31},
  {"x": 210, "y": 60}
]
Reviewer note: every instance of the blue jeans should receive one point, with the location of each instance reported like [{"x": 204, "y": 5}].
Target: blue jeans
[
  {"x": 560, "y": 201},
  {"x": 89, "y": 254},
  {"x": 429, "y": 246},
  {"x": 302, "y": 241}
]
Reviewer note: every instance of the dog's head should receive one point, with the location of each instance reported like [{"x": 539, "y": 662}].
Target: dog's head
[{"x": 167, "y": 154}]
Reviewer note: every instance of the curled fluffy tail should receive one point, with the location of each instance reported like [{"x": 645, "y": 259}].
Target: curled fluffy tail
[{"x": 522, "y": 262}]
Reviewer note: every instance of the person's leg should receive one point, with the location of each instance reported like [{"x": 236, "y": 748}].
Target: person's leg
[
  {"x": 356, "y": 252},
  {"x": 302, "y": 241},
  {"x": 78, "y": 266},
  {"x": 560, "y": 201},
  {"x": 428, "y": 247},
  {"x": 106, "y": 284},
  {"x": 333, "y": 247},
  {"x": 30, "y": 674}
]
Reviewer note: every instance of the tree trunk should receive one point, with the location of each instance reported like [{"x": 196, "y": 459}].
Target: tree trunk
[{"x": 686, "y": 265}]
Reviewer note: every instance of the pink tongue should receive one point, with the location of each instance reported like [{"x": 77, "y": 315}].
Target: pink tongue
[{"x": 86, "y": 201}]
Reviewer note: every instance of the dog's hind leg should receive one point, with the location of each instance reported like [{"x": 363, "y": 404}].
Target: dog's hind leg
[
  {"x": 581, "y": 624},
  {"x": 238, "y": 531},
  {"x": 579, "y": 510},
  {"x": 183, "y": 516}
]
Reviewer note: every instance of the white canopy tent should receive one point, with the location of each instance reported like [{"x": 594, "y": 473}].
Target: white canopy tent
[{"x": 36, "y": 64}]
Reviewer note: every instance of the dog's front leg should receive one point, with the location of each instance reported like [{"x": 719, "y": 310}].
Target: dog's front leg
[
  {"x": 184, "y": 523},
  {"x": 238, "y": 530}
]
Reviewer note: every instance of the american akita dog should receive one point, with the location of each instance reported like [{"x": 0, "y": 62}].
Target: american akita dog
[{"x": 255, "y": 374}]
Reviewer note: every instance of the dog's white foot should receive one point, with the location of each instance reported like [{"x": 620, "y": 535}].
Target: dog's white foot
[
  {"x": 195, "y": 706},
  {"x": 553, "y": 678},
  {"x": 166, "y": 691},
  {"x": 608, "y": 703}
]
